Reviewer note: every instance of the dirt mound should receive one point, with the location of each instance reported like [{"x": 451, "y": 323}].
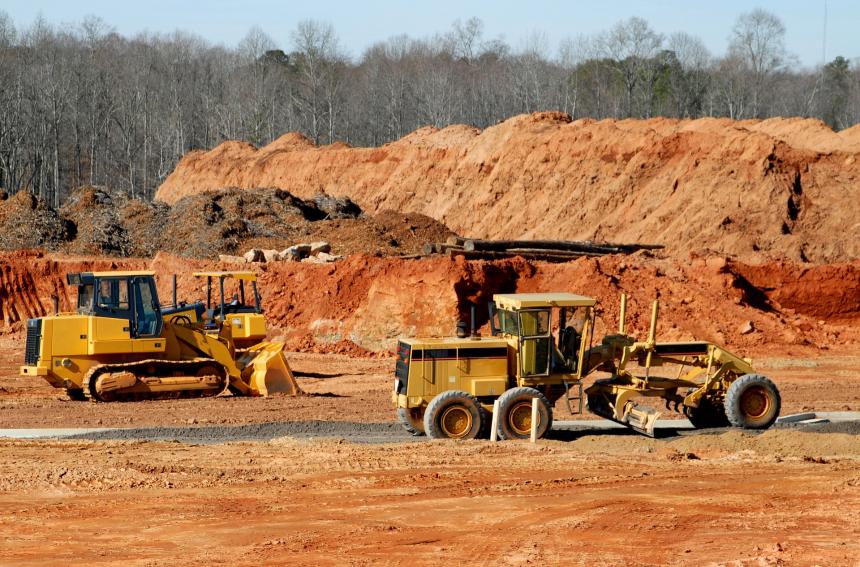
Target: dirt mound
[
  {"x": 110, "y": 223},
  {"x": 234, "y": 220},
  {"x": 209, "y": 224},
  {"x": 99, "y": 221},
  {"x": 760, "y": 190},
  {"x": 26, "y": 221},
  {"x": 364, "y": 303}
]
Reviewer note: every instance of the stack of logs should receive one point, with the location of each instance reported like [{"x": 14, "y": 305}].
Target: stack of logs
[{"x": 545, "y": 250}]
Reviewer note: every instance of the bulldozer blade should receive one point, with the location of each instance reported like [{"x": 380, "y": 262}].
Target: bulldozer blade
[{"x": 266, "y": 370}]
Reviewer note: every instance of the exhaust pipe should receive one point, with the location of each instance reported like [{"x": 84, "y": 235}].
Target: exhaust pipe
[{"x": 474, "y": 330}]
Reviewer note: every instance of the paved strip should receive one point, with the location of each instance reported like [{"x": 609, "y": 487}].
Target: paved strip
[{"x": 824, "y": 422}]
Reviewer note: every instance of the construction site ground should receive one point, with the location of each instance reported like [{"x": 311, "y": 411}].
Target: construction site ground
[
  {"x": 759, "y": 221},
  {"x": 293, "y": 480}
]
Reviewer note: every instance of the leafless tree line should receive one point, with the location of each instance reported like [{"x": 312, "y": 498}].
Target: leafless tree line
[{"x": 85, "y": 105}]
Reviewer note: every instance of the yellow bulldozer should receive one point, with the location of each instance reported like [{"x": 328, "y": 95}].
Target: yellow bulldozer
[
  {"x": 121, "y": 344},
  {"x": 541, "y": 348}
]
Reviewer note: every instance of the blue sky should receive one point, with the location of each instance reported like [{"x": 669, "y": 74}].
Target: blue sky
[{"x": 361, "y": 23}]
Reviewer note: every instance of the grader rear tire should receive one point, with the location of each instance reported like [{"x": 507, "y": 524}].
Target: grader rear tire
[
  {"x": 454, "y": 415},
  {"x": 515, "y": 414},
  {"x": 753, "y": 402},
  {"x": 412, "y": 420}
]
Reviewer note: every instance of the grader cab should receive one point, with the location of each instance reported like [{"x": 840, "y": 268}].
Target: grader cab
[
  {"x": 122, "y": 344},
  {"x": 542, "y": 348}
]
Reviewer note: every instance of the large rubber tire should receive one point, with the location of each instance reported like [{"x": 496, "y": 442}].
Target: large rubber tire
[
  {"x": 412, "y": 420},
  {"x": 753, "y": 402},
  {"x": 708, "y": 415},
  {"x": 454, "y": 415},
  {"x": 515, "y": 414}
]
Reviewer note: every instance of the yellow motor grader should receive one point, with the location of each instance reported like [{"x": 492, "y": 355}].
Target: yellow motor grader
[
  {"x": 446, "y": 387},
  {"x": 121, "y": 344}
]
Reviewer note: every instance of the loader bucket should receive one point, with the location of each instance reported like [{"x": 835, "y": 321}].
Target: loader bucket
[{"x": 266, "y": 370}]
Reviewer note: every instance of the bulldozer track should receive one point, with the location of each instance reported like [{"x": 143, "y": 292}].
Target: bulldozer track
[{"x": 161, "y": 364}]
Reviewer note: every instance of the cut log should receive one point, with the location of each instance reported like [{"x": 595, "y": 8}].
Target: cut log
[
  {"x": 455, "y": 241},
  {"x": 542, "y": 255},
  {"x": 558, "y": 245},
  {"x": 438, "y": 248}
]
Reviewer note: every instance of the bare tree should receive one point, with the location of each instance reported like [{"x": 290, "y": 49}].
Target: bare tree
[
  {"x": 632, "y": 44},
  {"x": 320, "y": 62},
  {"x": 690, "y": 80},
  {"x": 758, "y": 41},
  {"x": 466, "y": 38}
]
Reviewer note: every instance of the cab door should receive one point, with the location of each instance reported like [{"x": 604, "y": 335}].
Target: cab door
[
  {"x": 147, "y": 323},
  {"x": 110, "y": 325},
  {"x": 535, "y": 342}
]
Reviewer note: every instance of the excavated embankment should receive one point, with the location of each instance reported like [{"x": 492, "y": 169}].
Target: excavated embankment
[
  {"x": 363, "y": 303},
  {"x": 783, "y": 188}
]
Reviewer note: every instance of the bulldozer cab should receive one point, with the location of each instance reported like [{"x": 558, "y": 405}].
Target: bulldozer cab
[
  {"x": 238, "y": 302},
  {"x": 550, "y": 330},
  {"x": 131, "y": 296}
]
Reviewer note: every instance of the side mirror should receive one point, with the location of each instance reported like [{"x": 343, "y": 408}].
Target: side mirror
[{"x": 491, "y": 308}]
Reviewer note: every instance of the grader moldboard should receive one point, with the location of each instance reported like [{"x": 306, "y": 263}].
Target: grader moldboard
[
  {"x": 446, "y": 387},
  {"x": 121, "y": 344}
]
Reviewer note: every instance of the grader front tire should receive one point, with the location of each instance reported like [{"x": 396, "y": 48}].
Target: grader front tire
[
  {"x": 753, "y": 402},
  {"x": 454, "y": 415}
]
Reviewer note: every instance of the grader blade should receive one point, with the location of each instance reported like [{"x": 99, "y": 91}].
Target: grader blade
[
  {"x": 640, "y": 418},
  {"x": 266, "y": 371},
  {"x": 616, "y": 404}
]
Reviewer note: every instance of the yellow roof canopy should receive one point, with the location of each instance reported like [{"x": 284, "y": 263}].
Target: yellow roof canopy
[
  {"x": 246, "y": 276},
  {"x": 122, "y": 274},
  {"x": 528, "y": 300}
]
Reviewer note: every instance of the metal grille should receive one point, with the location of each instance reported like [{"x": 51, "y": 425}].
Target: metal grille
[{"x": 34, "y": 341}]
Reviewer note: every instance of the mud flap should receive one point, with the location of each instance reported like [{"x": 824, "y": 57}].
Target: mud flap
[{"x": 266, "y": 371}]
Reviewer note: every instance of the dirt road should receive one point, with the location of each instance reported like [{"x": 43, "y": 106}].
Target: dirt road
[
  {"x": 780, "y": 498},
  {"x": 783, "y": 497}
]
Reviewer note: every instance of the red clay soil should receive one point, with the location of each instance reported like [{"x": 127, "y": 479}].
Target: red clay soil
[
  {"x": 363, "y": 303},
  {"x": 758, "y": 190},
  {"x": 781, "y": 498}
]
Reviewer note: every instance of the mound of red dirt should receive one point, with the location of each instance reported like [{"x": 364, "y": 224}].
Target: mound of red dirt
[{"x": 759, "y": 190}]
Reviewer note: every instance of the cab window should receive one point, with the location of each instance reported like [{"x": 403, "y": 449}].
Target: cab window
[
  {"x": 534, "y": 323},
  {"x": 112, "y": 295},
  {"x": 508, "y": 322},
  {"x": 85, "y": 297},
  {"x": 146, "y": 317}
]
